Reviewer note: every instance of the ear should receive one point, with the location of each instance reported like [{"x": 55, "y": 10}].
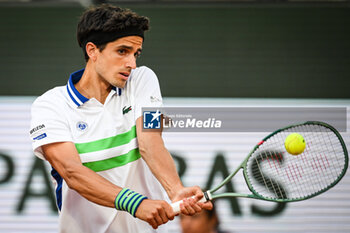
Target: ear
[{"x": 91, "y": 50}]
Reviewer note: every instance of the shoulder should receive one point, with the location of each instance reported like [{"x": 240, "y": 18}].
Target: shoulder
[
  {"x": 143, "y": 77},
  {"x": 52, "y": 98},
  {"x": 143, "y": 74},
  {"x": 142, "y": 70}
]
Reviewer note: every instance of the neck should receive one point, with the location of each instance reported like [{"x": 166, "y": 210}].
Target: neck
[{"x": 91, "y": 85}]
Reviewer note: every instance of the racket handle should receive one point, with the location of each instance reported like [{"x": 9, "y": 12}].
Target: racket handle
[{"x": 176, "y": 205}]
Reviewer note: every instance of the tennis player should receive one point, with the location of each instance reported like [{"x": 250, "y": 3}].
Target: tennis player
[{"x": 110, "y": 175}]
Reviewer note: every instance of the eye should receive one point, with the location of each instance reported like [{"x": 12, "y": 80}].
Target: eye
[
  {"x": 137, "y": 54},
  {"x": 122, "y": 51}
]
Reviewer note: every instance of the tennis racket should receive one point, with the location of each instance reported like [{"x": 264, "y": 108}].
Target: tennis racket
[{"x": 272, "y": 174}]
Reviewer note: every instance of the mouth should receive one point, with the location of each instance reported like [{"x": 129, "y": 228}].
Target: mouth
[{"x": 125, "y": 75}]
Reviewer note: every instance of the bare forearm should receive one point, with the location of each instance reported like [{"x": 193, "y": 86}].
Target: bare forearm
[
  {"x": 163, "y": 167},
  {"x": 64, "y": 158},
  {"x": 92, "y": 186},
  {"x": 158, "y": 159}
]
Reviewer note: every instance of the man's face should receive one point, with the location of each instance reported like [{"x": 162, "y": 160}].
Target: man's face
[{"x": 114, "y": 63}]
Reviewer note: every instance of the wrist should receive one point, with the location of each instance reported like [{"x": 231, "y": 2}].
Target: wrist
[
  {"x": 174, "y": 191},
  {"x": 128, "y": 200}
]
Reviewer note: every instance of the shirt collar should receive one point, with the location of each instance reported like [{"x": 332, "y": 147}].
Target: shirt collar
[{"x": 77, "y": 98}]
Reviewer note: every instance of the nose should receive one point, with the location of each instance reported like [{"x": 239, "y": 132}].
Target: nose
[{"x": 131, "y": 62}]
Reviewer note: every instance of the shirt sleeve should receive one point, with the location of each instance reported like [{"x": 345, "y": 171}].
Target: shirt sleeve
[
  {"x": 146, "y": 90},
  {"x": 48, "y": 125}
]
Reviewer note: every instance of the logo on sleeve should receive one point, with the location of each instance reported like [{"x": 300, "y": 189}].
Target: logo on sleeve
[
  {"x": 151, "y": 119},
  {"x": 155, "y": 99},
  {"x": 81, "y": 125},
  {"x": 41, "y": 136},
  {"x": 39, "y": 127}
]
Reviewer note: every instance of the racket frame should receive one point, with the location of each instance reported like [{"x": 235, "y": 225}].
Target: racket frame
[{"x": 210, "y": 193}]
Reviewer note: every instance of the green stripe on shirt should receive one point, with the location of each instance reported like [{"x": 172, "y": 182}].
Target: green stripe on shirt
[
  {"x": 107, "y": 143},
  {"x": 118, "y": 161}
]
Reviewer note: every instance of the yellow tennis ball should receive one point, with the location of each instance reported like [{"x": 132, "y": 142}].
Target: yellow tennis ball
[{"x": 294, "y": 144}]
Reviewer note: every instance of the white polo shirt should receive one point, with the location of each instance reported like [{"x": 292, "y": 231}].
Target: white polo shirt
[{"x": 105, "y": 138}]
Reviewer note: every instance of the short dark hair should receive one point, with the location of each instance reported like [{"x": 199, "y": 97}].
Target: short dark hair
[{"x": 107, "y": 19}]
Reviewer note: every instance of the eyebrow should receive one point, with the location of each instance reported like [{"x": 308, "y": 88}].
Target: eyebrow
[{"x": 129, "y": 48}]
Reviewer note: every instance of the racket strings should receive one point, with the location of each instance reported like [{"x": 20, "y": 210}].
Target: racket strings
[
  {"x": 311, "y": 163},
  {"x": 323, "y": 159},
  {"x": 268, "y": 181},
  {"x": 277, "y": 164},
  {"x": 334, "y": 150},
  {"x": 317, "y": 174},
  {"x": 316, "y": 165},
  {"x": 306, "y": 163},
  {"x": 293, "y": 173},
  {"x": 273, "y": 161},
  {"x": 267, "y": 184},
  {"x": 275, "y": 174}
]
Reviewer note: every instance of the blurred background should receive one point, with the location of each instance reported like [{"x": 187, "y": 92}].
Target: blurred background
[{"x": 205, "y": 53}]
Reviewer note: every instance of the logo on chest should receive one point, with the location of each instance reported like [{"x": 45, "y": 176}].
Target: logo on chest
[
  {"x": 82, "y": 126},
  {"x": 126, "y": 110}
]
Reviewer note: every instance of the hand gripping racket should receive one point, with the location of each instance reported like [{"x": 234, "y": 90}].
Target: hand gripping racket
[{"x": 272, "y": 174}]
